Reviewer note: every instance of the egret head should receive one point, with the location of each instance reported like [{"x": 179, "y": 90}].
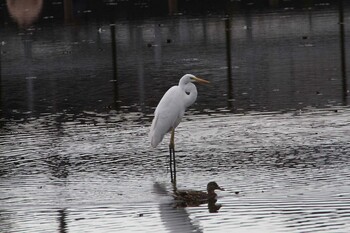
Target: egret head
[
  {"x": 213, "y": 186},
  {"x": 190, "y": 78}
]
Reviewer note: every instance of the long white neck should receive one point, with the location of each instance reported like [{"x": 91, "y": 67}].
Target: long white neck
[{"x": 191, "y": 98}]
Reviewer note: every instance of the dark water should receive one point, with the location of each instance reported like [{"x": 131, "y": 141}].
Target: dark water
[
  {"x": 75, "y": 154},
  {"x": 280, "y": 61}
]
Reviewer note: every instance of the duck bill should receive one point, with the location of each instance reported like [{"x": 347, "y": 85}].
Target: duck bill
[
  {"x": 222, "y": 189},
  {"x": 200, "y": 80}
]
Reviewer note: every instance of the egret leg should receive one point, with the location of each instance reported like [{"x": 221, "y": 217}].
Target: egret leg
[
  {"x": 170, "y": 163},
  {"x": 172, "y": 157},
  {"x": 174, "y": 164}
]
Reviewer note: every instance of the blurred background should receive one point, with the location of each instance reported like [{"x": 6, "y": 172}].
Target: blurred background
[{"x": 74, "y": 56}]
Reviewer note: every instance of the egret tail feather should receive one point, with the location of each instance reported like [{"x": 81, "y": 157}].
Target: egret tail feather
[{"x": 154, "y": 135}]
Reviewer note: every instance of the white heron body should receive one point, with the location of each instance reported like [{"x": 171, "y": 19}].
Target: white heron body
[{"x": 172, "y": 107}]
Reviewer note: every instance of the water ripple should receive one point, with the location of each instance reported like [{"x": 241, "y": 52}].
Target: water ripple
[{"x": 281, "y": 172}]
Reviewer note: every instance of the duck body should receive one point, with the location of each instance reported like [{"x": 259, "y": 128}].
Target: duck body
[
  {"x": 188, "y": 198},
  {"x": 191, "y": 198}
]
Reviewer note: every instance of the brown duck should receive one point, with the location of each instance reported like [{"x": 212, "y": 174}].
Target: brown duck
[{"x": 190, "y": 198}]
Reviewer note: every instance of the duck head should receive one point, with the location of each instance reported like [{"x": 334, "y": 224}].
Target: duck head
[{"x": 212, "y": 186}]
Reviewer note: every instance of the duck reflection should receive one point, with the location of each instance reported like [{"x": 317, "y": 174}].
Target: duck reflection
[
  {"x": 192, "y": 198},
  {"x": 24, "y": 12},
  {"x": 212, "y": 206}
]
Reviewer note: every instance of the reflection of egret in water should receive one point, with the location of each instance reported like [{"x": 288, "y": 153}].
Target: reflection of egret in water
[
  {"x": 169, "y": 113},
  {"x": 24, "y": 12},
  {"x": 191, "y": 198},
  {"x": 62, "y": 219},
  {"x": 174, "y": 219}
]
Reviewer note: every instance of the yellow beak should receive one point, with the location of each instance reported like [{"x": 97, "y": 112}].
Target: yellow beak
[{"x": 199, "y": 80}]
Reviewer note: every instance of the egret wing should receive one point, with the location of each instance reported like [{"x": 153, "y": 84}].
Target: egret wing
[{"x": 167, "y": 115}]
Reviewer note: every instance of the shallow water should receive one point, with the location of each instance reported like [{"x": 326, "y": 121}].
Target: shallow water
[
  {"x": 291, "y": 171},
  {"x": 75, "y": 154}
]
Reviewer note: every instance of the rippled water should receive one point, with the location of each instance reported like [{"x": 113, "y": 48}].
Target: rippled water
[
  {"x": 75, "y": 154},
  {"x": 291, "y": 171}
]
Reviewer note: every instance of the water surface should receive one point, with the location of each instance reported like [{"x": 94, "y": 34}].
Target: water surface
[
  {"x": 291, "y": 172},
  {"x": 75, "y": 154}
]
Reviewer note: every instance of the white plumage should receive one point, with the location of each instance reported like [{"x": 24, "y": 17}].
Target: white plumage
[{"x": 172, "y": 106}]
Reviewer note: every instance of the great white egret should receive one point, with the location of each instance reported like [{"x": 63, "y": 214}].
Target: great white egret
[{"x": 170, "y": 111}]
